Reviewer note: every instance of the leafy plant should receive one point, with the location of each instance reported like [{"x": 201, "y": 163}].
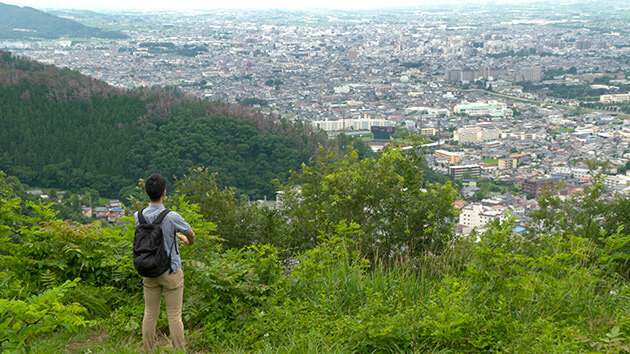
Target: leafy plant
[{"x": 37, "y": 314}]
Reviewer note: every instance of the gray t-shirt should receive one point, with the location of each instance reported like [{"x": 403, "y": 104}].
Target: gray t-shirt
[{"x": 171, "y": 224}]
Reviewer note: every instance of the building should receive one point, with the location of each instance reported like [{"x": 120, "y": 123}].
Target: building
[
  {"x": 533, "y": 74},
  {"x": 480, "y": 109},
  {"x": 579, "y": 173},
  {"x": 583, "y": 44},
  {"x": 101, "y": 212},
  {"x": 618, "y": 180},
  {"x": 507, "y": 164},
  {"x": 473, "y": 135},
  {"x": 469, "y": 215},
  {"x": 458, "y": 172},
  {"x": 348, "y": 124},
  {"x": 453, "y": 75},
  {"x": 452, "y": 157},
  {"x": 615, "y": 98},
  {"x": 477, "y": 216},
  {"x": 535, "y": 185},
  {"x": 428, "y": 131}
]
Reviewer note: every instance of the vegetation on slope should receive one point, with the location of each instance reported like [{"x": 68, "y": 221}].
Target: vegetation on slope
[
  {"x": 335, "y": 290},
  {"x": 64, "y": 130}
]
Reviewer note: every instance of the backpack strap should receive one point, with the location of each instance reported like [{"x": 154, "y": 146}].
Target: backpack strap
[
  {"x": 141, "y": 218},
  {"x": 160, "y": 217}
]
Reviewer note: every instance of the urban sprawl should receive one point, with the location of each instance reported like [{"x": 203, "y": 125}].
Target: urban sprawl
[{"x": 480, "y": 83}]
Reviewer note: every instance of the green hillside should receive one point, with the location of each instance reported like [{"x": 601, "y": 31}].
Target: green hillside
[
  {"x": 61, "y": 129},
  {"x": 381, "y": 275},
  {"x": 29, "y": 23}
]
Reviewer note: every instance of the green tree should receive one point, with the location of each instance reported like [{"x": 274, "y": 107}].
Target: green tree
[
  {"x": 238, "y": 222},
  {"x": 590, "y": 215},
  {"x": 385, "y": 196}
]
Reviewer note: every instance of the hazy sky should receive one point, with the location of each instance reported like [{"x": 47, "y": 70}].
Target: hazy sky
[{"x": 215, "y": 4}]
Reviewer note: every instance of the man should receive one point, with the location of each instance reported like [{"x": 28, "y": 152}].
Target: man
[{"x": 171, "y": 283}]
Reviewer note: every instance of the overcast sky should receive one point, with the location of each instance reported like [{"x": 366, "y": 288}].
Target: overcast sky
[{"x": 232, "y": 4}]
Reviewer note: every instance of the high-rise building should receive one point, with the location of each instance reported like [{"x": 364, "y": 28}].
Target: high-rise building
[
  {"x": 583, "y": 44},
  {"x": 453, "y": 75},
  {"x": 533, "y": 74}
]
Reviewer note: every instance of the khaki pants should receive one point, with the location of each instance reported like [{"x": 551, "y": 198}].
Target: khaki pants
[{"x": 172, "y": 286}]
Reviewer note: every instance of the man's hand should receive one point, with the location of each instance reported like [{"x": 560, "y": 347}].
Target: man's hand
[{"x": 183, "y": 239}]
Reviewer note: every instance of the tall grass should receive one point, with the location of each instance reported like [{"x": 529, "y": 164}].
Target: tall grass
[{"x": 500, "y": 294}]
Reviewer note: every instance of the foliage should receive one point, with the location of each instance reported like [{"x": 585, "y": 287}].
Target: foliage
[
  {"x": 487, "y": 186},
  {"x": 225, "y": 289},
  {"x": 589, "y": 215},
  {"x": 238, "y": 222},
  {"x": 60, "y": 121},
  {"x": 21, "y": 319},
  {"x": 413, "y": 64},
  {"x": 501, "y": 294},
  {"x": 385, "y": 197},
  {"x": 563, "y": 91},
  {"x": 550, "y": 291}
]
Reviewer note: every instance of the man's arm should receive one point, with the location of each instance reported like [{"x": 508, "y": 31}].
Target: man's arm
[{"x": 188, "y": 238}]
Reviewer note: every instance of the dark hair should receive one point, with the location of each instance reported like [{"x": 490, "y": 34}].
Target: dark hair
[{"x": 155, "y": 186}]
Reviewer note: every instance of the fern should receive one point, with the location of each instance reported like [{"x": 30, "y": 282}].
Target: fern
[
  {"x": 48, "y": 279},
  {"x": 95, "y": 300}
]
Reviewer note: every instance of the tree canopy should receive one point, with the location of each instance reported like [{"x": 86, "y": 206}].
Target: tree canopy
[{"x": 61, "y": 129}]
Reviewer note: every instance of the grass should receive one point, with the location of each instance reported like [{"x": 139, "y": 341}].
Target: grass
[
  {"x": 498, "y": 294},
  {"x": 89, "y": 340}
]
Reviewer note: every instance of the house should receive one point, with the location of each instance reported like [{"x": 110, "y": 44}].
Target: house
[{"x": 101, "y": 211}]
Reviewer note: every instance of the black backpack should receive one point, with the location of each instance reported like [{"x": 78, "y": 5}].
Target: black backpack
[{"x": 149, "y": 254}]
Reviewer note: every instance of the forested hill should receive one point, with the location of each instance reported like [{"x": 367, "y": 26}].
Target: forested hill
[
  {"x": 61, "y": 129},
  {"x": 26, "y": 23}
]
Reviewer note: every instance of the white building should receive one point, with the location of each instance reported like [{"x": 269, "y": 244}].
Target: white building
[
  {"x": 348, "y": 124},
  {"x": 477, "y": 109},
  {"x": 477, "y": 216},
  {"x": 580, "y": 173},
  {"x": 469, "y": 215},
  {"x": 618, "y": 180},
  {"x": 615, "y": 98},
  {"x": 476, "y": 134}
]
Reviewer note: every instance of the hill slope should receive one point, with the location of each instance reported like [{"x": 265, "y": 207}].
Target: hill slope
[
  {"x": 27, "y": 23},
  {"x": 61, "y": 129}
]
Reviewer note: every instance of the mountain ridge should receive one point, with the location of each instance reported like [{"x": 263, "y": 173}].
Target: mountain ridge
[{"x": 25, "y": 23}]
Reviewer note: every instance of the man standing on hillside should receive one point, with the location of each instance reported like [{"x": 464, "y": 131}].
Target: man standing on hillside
[{"x": 171, "y": 282}]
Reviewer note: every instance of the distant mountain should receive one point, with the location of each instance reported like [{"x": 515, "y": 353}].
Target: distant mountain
[
  {"x": 28, "y": 23},
  {"x": 81, "y": 14}
]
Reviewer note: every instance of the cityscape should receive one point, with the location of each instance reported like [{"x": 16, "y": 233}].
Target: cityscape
[
  {"x": 526, "y": 96},
  {"x": 409, "y": 176}
]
